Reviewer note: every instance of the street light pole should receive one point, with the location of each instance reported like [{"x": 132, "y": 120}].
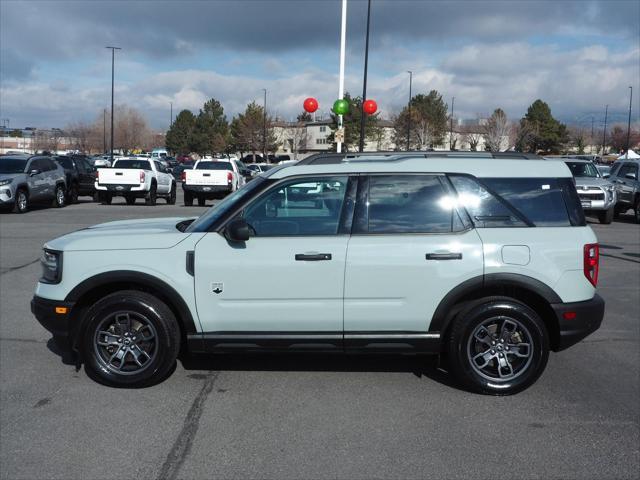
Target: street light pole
[
  {"x": 591, "y": 139},
  {"x": 604, "y": 134},
  {"x": 626, "y": 150},
  {"x": 453, "y": 99},
  {"x": 113, "y": 59},
  {"x": 409, "y": 110},
  {"x": 363, "y": 118},
  {"x": 104, "y": 130},
  {"x": 264, "y": 128},
  {"x": 170, "y": 114}
]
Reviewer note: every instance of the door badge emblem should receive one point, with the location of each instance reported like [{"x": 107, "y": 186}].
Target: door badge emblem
[{"x": 217, "y": 287}]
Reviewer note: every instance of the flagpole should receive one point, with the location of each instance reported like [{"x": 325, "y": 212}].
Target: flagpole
[{"x": 343, "y": 41}]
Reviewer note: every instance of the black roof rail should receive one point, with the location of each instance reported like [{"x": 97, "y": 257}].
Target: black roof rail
[{"x": 332, "y": 158}]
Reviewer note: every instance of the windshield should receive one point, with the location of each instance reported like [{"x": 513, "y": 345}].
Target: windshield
[
  {"x": 214, "y": 166},
  {"x": 133, "y": 164},
  {"x": 12, "y": 165},
  {"x": 583, "y": 169},
  {"x": 203, "y": 222}
]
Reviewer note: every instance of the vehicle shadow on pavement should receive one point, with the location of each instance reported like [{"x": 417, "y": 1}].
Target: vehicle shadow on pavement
[{"x": 428, "y": 366}]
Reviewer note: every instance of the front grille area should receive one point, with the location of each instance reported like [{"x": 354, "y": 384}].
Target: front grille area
[{"x": 591, "y": 196}]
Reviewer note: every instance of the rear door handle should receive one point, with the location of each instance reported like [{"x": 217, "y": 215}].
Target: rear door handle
[
  {"x": 312, "y": 257},
  {"x": 444, "y": 256}
]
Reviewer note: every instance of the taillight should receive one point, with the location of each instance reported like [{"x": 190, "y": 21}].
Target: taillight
[
  {"x": 591, "y": 262},
  {"x": 98, "y": 176},
  {"x": 184, "y": 177},
  {"x": 142, "y": 176},
  {"x": 229, "y": 177}
]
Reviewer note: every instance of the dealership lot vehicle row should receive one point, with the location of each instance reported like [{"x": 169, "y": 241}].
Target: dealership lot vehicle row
[{"x": 367, "y": 417}]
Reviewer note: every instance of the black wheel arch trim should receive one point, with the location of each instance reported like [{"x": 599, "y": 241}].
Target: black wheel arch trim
[
  {"x": 445, "y": 310},
  {"x": 143, "y": 279}
]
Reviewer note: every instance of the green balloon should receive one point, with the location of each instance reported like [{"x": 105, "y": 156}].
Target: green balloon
[{"x": 341, "y": 107}]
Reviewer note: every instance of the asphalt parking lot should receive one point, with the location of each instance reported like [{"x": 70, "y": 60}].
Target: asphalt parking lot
[{"x": 312, "y": 417}]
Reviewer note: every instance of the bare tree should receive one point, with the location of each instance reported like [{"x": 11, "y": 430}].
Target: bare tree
[
  {"x": 578, "y": 138},
  {"x": 472, "y": 135},
  {"x": 496, "y": 130},
  {"x": 80, "y": 134}
]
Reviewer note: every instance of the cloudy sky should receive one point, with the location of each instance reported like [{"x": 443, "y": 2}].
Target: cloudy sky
[{"x": 575, "y": 55}]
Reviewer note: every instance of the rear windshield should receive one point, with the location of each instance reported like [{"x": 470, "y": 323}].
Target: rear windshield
[
  {"x": 214, "y": 166},
  {"x": 583, "y": 169},
  {"x": 66, "y": 162},
  {"x": 12, "y": 165},
  {"x": 133, "y": 164}
]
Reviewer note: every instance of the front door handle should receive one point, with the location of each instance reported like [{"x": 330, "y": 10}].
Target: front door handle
[
  {"x": 312, "y": 257},
  {"x": 444, "y": 256}
]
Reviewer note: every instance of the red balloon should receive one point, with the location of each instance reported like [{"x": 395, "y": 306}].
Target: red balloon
[
  {"x": 311, "y": 105},
  {"x": 370, "y": 107}
]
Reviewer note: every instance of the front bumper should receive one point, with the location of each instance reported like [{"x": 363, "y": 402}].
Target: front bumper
[
  {"x": 587, "y": 319},
  {"x": 6, "y": 196},
  {"x": 59, "y": 324}
]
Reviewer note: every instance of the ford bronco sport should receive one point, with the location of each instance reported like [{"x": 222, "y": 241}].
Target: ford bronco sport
[{"x": 487, "y": 261}]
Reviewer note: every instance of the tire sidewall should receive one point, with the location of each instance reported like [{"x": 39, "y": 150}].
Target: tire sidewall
[
  {"x": 160, "y": 363},
  {"x": 60, "y": 199},
  {"x": 475, "y": 316},
  {"x": 17, "y": 208}
]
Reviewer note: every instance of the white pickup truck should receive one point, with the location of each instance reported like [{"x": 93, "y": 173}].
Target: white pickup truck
[
  {"x": 211, "y": 179},
  {"x": 135, "y": 178}
]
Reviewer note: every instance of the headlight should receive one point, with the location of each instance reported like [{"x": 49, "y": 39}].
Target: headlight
[
  {"x": 5, "y": 182},
  {"x": 51, "y": 262},
  {"x": 609, "y": 188}
]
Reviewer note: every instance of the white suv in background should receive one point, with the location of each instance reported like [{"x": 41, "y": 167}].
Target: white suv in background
[{"x": 488, "y": 261}]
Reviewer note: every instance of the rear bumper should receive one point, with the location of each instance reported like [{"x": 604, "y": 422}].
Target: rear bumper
[
  {"x": 205, "y": 189},
  {"x": 588, "y": 317},
  {"x": 59, "y": 324},
  {"x": 121, "y": 189}
]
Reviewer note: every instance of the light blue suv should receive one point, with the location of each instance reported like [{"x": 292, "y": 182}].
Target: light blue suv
[{"x": 487, "y": 260}]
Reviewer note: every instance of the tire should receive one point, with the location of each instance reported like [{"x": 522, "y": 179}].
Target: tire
[
  {"x": 72, "y": 195},
  {"x": 152, "y": 196},
  {"x": 141, "y": 344},
  {"x": 188, "y": 199},
  {"x": 494, "y": 330},
  {"x": 59, "y": 197},
  {"x": 21, "y": 204},
  {"x": 202, "y": 201},
  {"x": 96, "y": 196},
  {"x": 617, "y": 210},
  {"x": 606, "y": 217},
  {"x": 130, "y": 199},
  {"x": 105, "y": 198},
  {"x": 171, "y": 199},
  {"x": 636, "y": 211}
]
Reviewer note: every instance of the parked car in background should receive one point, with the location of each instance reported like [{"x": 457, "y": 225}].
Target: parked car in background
[
  {"x": 134, "y": 178},
  {"x": 31, "y": 179},
  {"x": 100, "y": 161},
  {"x": 258, "y": 168},
  {"x": 210, "y": 179},
  {"x": 184, "y": 159},
  {"x": 80, "y": 176},
  {"x": 597, "y": 195},
  {"x": 252, "y": 158},
  {"x": 625, "y": 175}
]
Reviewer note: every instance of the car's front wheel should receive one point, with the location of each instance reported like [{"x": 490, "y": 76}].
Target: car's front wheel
[
  {"x": 22, "y": 201},
  {"x": 606, "y": 216},
  {"x": 129, "y": 339},
  {"x": 498, "y": 346}
]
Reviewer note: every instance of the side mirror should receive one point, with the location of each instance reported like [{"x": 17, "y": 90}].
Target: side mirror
[
  {"x": 33, "y": 172},
  {"x": 238, "y": 230},
  {"x": 632, "y": 176}
]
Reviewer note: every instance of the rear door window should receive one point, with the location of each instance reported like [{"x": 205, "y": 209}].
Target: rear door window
[{"x": 408, "y": 204}]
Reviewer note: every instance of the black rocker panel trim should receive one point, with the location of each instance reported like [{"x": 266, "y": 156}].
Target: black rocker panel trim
[{"x": 339, "y": 342}]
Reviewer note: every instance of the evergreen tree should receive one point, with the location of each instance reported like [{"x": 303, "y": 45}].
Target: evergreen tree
[
  {"x": 179, "y": 138},
  {"x": 544, "y": 133},
  {"x": 351, "y": 124},
  {"x": 428, "y": 122}
]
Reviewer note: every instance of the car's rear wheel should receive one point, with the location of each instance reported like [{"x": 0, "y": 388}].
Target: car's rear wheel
[
  {"x": 636, "y": 211},
  {"x": 606, "y": 216},
  {"x": 21, "y": 201},
  {"x": 188, "y": 199},
  {"x": 498, "y": 346},
  {"x": 202, "y": 201},
  {"x": 129, "y": 339},
  {"x": 60, "y": 197},
  {"x": 105, "y": 198},
  {"x": 130, "y": 199},
  {"x": 72, "y": 194},
  {"x": 171, "y": 199},
  {"x": 152, "y": 196}
]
